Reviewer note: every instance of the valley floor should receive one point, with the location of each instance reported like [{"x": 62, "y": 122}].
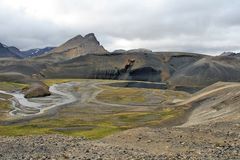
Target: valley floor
[{"x": 128, "y": 123}]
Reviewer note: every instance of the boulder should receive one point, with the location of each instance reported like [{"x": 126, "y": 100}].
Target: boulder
[{"x": 38, "y": 89}]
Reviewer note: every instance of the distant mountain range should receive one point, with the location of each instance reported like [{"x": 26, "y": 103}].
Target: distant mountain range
[
  {"x": 36, "y": 52},
  {"x": 77, "y": 46},
  {"x": 85, "y": 57},
  {"x": 233, "y": 54},
  {"x": 72, "y": 48},
  {"x": 13, "y": 52}
]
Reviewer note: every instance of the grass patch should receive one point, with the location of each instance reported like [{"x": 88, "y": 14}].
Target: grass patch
[
  {"x": 5, "y": 105},
  {"x": 137, "y": 119},
  {"x": 51, "y": 82},
  {"x": 98, "y": 126},
  {"x": 10, "y": 86},
  {"x": 138, "y": 96},
  {"x": 20, "y": 130},
  {"x": 122, "y": 96},
  {"x": 97, "y": 132}
]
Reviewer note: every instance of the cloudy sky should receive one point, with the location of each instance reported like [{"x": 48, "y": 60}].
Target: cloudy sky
[{"x": 204, "y": 26}]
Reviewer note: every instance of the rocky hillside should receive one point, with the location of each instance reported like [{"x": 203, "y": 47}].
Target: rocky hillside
[
  {"x": 130, "y": 65},
  {"x": 26, "y": 67},
  {"x": 176, "y": 68},
  {"x": 215, "y": 103},
  {"x": 207, "y": 71},
  {"x": 77, "y": 46}
]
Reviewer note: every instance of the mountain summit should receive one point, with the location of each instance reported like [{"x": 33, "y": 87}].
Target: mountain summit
[
  {"x": 78, "y": 46},
  {"x": 7, "y": 52}
]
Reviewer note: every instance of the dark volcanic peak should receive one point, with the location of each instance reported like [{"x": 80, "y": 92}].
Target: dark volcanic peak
[
  {"x": 14, "y": 50},
  {"x": 9, "y": 52},
  {"x": 1, "y": 45}
]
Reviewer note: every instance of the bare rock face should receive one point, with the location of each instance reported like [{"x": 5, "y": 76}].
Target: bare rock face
[
  {"x": 38, "y": 89},
  {"x": 129, "y": 64},
  {"x": 78, "y": 46}
]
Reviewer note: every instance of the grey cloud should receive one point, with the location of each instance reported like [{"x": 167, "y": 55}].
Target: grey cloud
[{"x": 186, "y": 25}]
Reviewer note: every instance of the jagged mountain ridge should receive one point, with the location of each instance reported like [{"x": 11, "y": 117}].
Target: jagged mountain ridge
[
  {"x": 77, "y": 46},
  {"x": 9, "y": 52},
  {"x": 14, "y": 52},
  {"x": 36, "y": 51},
  {"x": 84, "y": 57},
  {"x": 233, "y": 54}
]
